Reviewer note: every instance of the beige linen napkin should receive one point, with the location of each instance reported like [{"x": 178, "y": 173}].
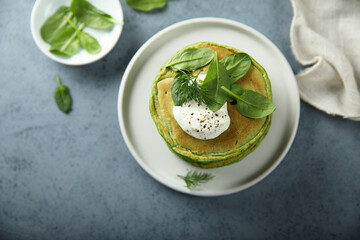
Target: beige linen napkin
[{"x": 325, "y": 38}]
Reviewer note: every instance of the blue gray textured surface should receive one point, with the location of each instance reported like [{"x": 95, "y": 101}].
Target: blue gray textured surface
[{"x": 72, "y": 177}]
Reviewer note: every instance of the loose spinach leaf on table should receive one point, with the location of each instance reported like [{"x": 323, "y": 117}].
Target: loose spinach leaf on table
[
  {"x": 146, "y": 5},
  {"x": 67, "y": 43},
  {"x": 62, "y": 97},
  {"x": 190, "y": 59},
  {"x": 252, "y": 104},
  {"x": 92, "y": 16},
  {"x": 237, "y": 65},
  {"x": 211, "y": 86},
  {"x": 55, "y": 24}
]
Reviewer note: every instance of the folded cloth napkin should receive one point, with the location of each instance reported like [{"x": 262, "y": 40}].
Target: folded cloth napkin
[{"x": 325, "y": 38}]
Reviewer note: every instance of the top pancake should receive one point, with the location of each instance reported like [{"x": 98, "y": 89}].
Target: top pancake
[{"x": 243, "y": 135}]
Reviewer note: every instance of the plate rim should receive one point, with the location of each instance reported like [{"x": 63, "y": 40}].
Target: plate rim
[
  {"x": 125, "y": 81},
  {"x": 35, "y": 33}
]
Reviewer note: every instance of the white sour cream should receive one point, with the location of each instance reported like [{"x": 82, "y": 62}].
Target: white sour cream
[{"x": 199, "y": 121}]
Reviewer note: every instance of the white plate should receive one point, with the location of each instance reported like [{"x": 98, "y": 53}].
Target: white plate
[
  {"x": 107, "y": 38},
  {"x": 146, "y": 144}
]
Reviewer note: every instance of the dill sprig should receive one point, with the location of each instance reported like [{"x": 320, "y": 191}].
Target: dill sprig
[
  {"x": 185, "y": 88},
  {"x": 194, "y": 178}
]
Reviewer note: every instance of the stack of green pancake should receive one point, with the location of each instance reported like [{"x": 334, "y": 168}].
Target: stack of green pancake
[{"x": 240, "y": 139}]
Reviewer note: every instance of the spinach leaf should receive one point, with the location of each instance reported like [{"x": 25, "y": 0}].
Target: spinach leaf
[
  {"x": 190, "y": 59},
  {"x": 211, "y": 86},
  {"x": 88, "y": 42},
  {"x": 255, "y": 105},
  {"x": 237, "y": 65},
  {"x": 67, "y": 42},
  {"x": 252, "y": 104},
  {"x": 146, "y": 5},
  {"x": 221, "y": 76},
  {"x": 236, "y": 89},
  {"x": 92, "y": 16},
  {"x": 62, "y": 97},
  {"x": 185, "y": 88},
  {"x": 55, "y": 24}
]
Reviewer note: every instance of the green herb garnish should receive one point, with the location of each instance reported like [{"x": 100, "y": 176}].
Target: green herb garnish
[
  {"x": 146, "y": 5},
  {"x": 194, "y": 178},
  {"x": 211, "y": 86},
  {"x": 236, "y": 89},
  {"x": 252, "y": 104},
  {"x": 220, "y": 84},
  {"x": 185, "y": 87},
  {"x": 62, "y": 97},
  {"x": 237, "y": 65},
  {"x": 190, "y": 59}
]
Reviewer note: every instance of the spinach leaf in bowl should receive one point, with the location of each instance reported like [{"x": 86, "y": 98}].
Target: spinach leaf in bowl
[{"x": 92, "y": 16}]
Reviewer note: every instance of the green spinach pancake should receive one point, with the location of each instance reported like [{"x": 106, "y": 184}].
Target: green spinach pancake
[{"x": 231, "y": 77}]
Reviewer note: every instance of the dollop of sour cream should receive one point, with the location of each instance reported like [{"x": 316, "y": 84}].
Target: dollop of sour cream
[{"x": 200, "y": 122}]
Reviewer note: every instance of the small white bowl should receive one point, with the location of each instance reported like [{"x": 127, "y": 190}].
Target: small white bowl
[{"x": 107, "y": 38}]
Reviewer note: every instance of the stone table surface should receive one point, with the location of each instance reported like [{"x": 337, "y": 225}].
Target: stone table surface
[{"x": 72, "y": 176}]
